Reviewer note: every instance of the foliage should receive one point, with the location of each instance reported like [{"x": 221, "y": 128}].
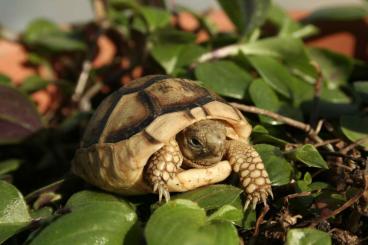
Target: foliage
[{"x": 263, "y": 61}]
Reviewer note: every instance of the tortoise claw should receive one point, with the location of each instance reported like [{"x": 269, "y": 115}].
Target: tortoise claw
[
  {"x": 269, "y": 191},
  {"x": 162, "y": 192},
  {"x": 246, "y": 204},
  {"x": 264, "y": 198},
  {"x": 254, "y": 202}
]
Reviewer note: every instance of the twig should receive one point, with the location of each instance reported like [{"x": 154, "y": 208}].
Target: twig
[
  {"x": 347, "y": 204},
  {"x": 99, "y": 7},
  {"x": 220, "y": 53},
  {"x": 82, "y": 80},
  {"x": 339, "y": 154},
  {"x": 353, "y": 145},
  {"x": 327, "y": 142},
  {"x": 294, "y": 123},
  {"x": 260, "y": 219},
  {"x": 317, "y": 95},
  {"x": 85, "y": 101},
  {"x": 295, "y": 195}
]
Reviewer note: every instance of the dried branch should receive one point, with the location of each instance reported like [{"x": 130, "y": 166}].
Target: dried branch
[
  {"x": 294, "y": 123},
  {"x": 82, "y": 81},
  {"x": 347, "y": 204},
  {"x": 260, "y": 219},
  {"x": 220, "y": 53},
  {"x": 99, "y": 7}
]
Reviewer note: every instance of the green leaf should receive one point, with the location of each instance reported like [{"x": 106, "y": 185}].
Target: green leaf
[
  {"x": 264, "y": 97},
  {"x": 172, "y": 36},
  {"x": 32, "y": 84},
  {"x": 13, "y": 211},
  {"x": 37, "y": 28},
  {"x": 175, "y": 56},
  {"x": 48, "y": 35},
  {"x": 307, "y": 236},
  {"x": 184, "y": 222},
  {"x": 213, "y": 196},
  {"x": 355, "y": 128},
  {"x": 273, "y": 73},
  {"x": 279, "y": 170},
  {"x": 227, "y": 213},
  {"x": 9, "y": 165},
  {"x": 335, "y": 68},
  {"x": 155, "y": 18},
  {"x": 289, "y": 50},
  {"x": 219, "y": 232},
  {"x": 361, "y": 88},
  {"x": 309, "y": 155},
  {"x": 279, "y": 17},
  {"x": 264, "y": 137},
  {"x": 250, "y": 219},
  {"x": 60, "y": 42},
  {"x": 5, "y": 80},
  {"x": 95, "y": 218},
  {"x": 224, "y": 78},
  {"x": 246, "y": 15},
  {"x": 18, "y": 116},
  {"x": 338, "y": 13}
]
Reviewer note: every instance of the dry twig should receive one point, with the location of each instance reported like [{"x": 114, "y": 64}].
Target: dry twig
[
  {"x": 260, "y": 219},
  {"x": 294, "y": 123}
]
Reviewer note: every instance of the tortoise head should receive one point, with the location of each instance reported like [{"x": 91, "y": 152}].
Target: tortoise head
[{"x": 203, "y": 143}]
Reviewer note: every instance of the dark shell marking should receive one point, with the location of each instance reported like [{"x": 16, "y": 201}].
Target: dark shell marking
[{"x": 132, "y": 108}]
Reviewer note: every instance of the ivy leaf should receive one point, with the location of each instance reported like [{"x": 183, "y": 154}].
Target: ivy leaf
[
  {"x": 155, "y": 18},
  {"x": 309, "y": 155},
  {"x": 224, "y": 77},
  {"x": 46, "y": 34},
  {"x": 338, "y": 13},
  {"x": 18, "y": 116},
  {"x": 355, "y": 128},
  {"x": 307, "y": 236},
  {"x": 175, "y": 56},
  {"x": 289, "y": 50},
  {"x": 213, "y": 196},
  {"x": 165, "y": 226},
  {"x": 273, "y": 73},
  {"x": 278, "y": 169},
  {"x": 361, "y": 88},
  {"x": 336, "y": 68},
  {"x": 13, "y": 211},
  {"x": 32, "y": 84},
  {"x": 94, "y": 218},
  {"x": 246, "y": 15}
]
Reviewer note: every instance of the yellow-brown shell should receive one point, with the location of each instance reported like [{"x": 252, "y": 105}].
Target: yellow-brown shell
[{"x": 137, "y": 120}]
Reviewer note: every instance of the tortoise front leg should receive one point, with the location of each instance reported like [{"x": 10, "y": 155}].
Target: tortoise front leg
[
  {"x": 253, "y": 177},
  {"x": 163, "y": 165}
]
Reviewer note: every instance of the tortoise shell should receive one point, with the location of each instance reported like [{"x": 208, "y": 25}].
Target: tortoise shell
[{"x": 137, "y": 120}]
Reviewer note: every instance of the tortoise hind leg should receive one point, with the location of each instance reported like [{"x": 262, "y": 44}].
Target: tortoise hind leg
[
  {"x": 163, "y": 165},
  {"x": 253, "y": 176}
]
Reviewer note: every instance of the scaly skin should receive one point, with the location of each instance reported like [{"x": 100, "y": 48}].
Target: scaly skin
[
  {"x": 253, "y": 176},
  {"x": 164, "y": 164},
  {"x": 214, "y": 146}
]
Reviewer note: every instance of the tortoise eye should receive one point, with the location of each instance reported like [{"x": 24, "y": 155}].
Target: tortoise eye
[{"x": 195, "y": 142}]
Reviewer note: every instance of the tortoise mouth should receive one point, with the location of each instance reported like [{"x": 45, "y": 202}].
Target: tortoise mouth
[{"x": 209, "y": 162}]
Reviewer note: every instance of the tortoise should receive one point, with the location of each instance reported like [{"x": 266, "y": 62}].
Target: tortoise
[{"x": 160, "y": 134}]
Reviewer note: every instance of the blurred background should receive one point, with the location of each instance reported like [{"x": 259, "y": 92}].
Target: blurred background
[{"x": 16, "y": 14}]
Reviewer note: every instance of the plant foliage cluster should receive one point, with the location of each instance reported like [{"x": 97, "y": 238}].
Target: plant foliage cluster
[{"x": 319, "y": 181}]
